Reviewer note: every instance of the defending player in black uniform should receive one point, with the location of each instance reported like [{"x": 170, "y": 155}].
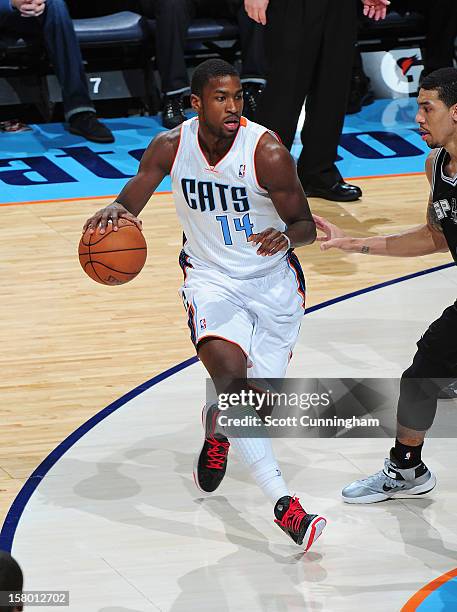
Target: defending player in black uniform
[{"x": 436, "y": 357}]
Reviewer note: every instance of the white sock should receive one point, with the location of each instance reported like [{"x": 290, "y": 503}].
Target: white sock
[{"x": 257, "y": 455}]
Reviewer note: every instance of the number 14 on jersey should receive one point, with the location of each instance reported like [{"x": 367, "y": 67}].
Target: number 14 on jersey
[{"x": 240, "y": 225}]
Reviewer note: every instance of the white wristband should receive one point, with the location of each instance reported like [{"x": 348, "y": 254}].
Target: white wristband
[{"x": 288, "y": 240}]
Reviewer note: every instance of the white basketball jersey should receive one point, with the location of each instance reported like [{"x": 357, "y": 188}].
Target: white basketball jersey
[{"x": 221, "y": 206}]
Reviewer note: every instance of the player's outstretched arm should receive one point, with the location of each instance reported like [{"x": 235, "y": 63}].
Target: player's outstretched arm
[
  {"x": 422, "y": 240},
  {"x": 277, "y": 173},
  {"x": 156, "y": 163}
]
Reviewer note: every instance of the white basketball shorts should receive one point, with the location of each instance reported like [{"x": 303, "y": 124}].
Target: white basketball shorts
[{"x": 261, "y": 315}]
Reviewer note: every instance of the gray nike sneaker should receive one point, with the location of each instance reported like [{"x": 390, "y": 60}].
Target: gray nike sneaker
[{"x": 390, "y": 482}]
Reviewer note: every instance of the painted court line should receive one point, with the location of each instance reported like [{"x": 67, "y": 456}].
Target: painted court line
[
  {"x": 421, "y": 595},
  {"x": 102, "y": 197},
  {"x": 383, "y": 176}
]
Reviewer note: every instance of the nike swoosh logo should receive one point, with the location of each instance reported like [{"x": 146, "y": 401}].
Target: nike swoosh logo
[
  {"x": 387, "y": 489},
  {"x": 391, "y": 473}
]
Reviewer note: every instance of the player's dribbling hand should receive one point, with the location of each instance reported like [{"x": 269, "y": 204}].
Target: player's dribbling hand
[
  {"x": 112, "y": 213},
  {"x": 271, "y": 241}
]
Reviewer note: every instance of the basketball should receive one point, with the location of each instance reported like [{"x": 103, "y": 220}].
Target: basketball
[{"x": 113, "y": 258}]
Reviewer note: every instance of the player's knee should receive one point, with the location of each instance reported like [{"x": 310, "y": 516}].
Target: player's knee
[
  {"x": 232, "y": 374},
  {"x": 226, "y": 363}
]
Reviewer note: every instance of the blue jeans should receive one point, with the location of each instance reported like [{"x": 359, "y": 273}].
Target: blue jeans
[{"x": 56, "y": 28}]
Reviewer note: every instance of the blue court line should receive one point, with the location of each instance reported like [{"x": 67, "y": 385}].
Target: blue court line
[
  {"x": 346, "y": 296},
  {"x": 18, "y": 506}
]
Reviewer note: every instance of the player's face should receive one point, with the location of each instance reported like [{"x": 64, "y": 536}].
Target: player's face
[
  {"x": 221, "y": 106},
  {"x": 437, "y": 122}
]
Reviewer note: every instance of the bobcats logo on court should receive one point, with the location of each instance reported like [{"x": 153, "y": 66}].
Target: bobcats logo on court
[{"x": 445, "y": 209}]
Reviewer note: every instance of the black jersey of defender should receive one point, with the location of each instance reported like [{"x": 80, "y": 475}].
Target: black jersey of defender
[{"x": 444, "y": 193}]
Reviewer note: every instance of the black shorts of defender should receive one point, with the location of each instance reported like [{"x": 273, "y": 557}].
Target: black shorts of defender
[{"x": 434, "y": 367}]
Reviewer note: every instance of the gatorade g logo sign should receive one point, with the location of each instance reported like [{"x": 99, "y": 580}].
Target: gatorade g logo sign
[
  {"x": 405, "y": 63},
  {"x": 401, "y": 69}
]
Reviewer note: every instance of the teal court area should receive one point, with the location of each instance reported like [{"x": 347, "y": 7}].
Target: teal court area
[{"x": 48, "y": 163}]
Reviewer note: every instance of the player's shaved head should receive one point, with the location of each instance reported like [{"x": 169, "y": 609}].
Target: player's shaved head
[
  {"x": 444, "y": 81},
  {"x": 211, "y": 69}
]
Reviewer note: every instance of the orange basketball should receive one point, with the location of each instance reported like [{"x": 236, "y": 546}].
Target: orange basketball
[{"x": 113, "y": 258}]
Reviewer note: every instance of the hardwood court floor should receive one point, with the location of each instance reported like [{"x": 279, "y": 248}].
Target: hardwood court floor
[
  {"x": 126, "y": 530},
  {"x": 71, "y": 346}
]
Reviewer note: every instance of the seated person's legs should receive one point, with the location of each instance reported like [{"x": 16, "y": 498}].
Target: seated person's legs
[
  {"x": 253, "y": 58},
  {"x": 173, "y": 18},
  {"x": 64, "y": 52},
  {"x": 55, "y": 27}
]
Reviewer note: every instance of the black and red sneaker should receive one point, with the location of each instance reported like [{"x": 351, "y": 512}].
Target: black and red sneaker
[
  {"x": 303, "y": 528},
  {"x": 211, "y": 463}
]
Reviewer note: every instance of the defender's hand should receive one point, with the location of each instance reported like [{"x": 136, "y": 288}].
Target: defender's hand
[
  {"x": 271, "y": 241},
  {"x": 330, "y": 230},
  {"x": 112, "y": 212},
  {"x": 343, "y": 244}
]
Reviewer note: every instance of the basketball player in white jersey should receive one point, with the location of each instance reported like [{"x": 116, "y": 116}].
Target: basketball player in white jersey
[{"x": 242, "y": 209}]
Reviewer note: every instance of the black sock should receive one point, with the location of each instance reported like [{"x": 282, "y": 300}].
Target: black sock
[{"x": 407, "y": 456}]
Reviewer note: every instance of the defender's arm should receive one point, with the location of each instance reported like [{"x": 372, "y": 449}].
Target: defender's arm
[{"x": 421, "y": 240}]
